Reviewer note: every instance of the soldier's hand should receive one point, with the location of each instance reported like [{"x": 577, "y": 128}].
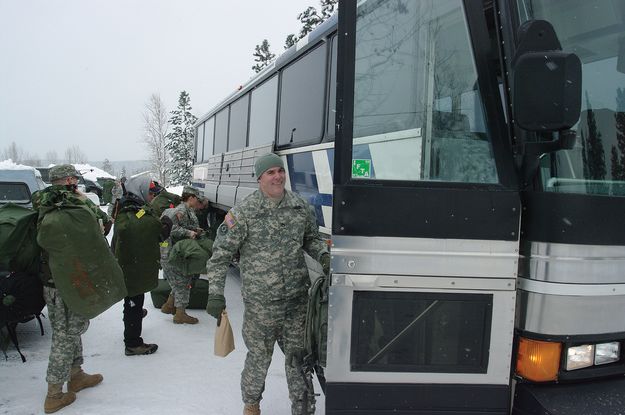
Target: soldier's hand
[
  {"x": 192, "y": 234},
  {"x": 325, "y": 263},
  {"x": 215, "y": 305},
  {"x": 295, "y": 358}
]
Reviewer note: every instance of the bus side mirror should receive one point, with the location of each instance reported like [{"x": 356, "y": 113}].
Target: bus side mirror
[
  {"x": 547, "y": 90},
  {"x": 546, "y": 82}
]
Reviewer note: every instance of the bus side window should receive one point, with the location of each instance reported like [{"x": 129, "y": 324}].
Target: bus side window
[
  {"x": 302, "y": 113},
  {"x": 221, "y": 130}
]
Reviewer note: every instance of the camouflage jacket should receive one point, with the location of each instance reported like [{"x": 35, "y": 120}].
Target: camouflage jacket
[
  {"x": 184, "y": 221},
  {"x": 59, "y": 195},
  {"x": 163, "y": 201},
  {"x": 272, "y": 241}
]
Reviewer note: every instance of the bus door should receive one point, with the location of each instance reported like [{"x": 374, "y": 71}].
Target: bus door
[{"x": 425, "y": 227}]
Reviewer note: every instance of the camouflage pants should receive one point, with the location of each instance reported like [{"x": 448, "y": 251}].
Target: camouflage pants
[
  {"x": 263, "y": 326},
  {"x": 180, "y": 284},
  {"x": 67, "y": 327}
]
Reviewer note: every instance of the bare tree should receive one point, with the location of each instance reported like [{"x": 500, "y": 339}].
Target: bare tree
[
  {"x": 52, "y": 157},
  {"x": 13, "y": 152},
  {"x": 154, "y": 132},
  {"x": 73, "y": 155}
]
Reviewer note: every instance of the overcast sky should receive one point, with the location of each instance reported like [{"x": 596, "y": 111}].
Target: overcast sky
[{"x": 78, "y": 72}]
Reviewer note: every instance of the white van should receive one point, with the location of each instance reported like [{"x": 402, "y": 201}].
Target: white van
[{"x": 18, "y": 183}]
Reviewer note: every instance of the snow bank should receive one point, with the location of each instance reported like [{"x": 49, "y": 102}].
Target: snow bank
[
  {"x": 92, "y": 173},
  {"x": 9, "y": 165},
  {"x": 177, "y": 190}
]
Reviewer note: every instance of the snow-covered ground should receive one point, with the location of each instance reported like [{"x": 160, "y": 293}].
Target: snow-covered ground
[{"x": 182, "y": 377}]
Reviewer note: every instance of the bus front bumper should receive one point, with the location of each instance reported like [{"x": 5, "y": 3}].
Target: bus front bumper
[{"x": 593, "y": 397}]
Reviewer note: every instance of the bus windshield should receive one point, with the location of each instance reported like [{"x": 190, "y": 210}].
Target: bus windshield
[
  {"x": 418, "y": 113},
  {"x": 592, "y": 30}
]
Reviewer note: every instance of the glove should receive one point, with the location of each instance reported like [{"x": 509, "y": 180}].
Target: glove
[
  {"x": 295, "y": 358},
  {"x": 325, "y": 263},
  {"x": 166, "y": 225},
  {"x": 215, "y": 305}
]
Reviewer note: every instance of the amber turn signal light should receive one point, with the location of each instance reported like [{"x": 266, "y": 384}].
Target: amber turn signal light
[{"x": 538, "y": 361}]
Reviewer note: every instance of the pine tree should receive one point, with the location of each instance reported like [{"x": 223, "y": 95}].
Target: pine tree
[
  {"x": 262, "y": 56},
  {"x": 106, "y": 166},
  {"x": 618, "y": 160},
  {"x": 180, "y": 142},
  {"x": 290, "y": 41},
  {"x": 328, "y": 7},
  {"x": 309, "y": 19},
  {"x": 593, "y": 154},
  {"x": 123, "y": 172}
]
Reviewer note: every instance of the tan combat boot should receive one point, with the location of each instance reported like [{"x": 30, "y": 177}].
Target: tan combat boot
[
  {"x": 181, "y": 317},
  {"x": 56, "y": 399},
  {"x": 251, "y": 409},
  {"x": 168, "y": 306},
  {"x": 81, "y": 380}
]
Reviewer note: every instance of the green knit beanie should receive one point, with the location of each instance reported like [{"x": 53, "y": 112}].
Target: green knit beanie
[{"x": 265, "y": 162}]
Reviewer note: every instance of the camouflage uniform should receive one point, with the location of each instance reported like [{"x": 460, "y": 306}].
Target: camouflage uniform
[
  {"x": 271, "y": 237},
  {"x": 184, "y": 221},
  {"x": 116, "y": 194},
  {"x": 67, "y": 327}
]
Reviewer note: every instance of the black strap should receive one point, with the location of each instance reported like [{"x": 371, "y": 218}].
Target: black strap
[{"x": 11, "y": 328}]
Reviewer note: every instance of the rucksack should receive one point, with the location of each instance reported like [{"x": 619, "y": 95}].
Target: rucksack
[
  {"x": 19, "y": 251},
  {"x": 316, "y": 330},
  {"x": 21, "y": 300}
]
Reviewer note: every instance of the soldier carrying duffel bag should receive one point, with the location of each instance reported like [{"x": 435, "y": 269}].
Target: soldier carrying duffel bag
[{"x": 84, "y": 281}]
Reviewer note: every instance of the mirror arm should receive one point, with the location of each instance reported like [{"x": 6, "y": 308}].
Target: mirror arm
[{"x": 564, "y": 141}]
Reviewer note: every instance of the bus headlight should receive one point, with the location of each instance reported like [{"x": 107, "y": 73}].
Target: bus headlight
[
  {"x": 580, "y": 356},
  {"x": 607, "y": 353}
]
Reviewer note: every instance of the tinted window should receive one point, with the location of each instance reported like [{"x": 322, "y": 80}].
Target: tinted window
[
  {"x": 238, "y": 123},
  {"x": 593, "y": 31},
  {"x": 302, "y": 96},
  {"x": 420, "y": 332},
  {"x": 332, "y": 96},
  {"x": 14, "y": 192},
  {"x": 209, "y": 136},
  {"x": 417, "y": 110},
  {"x": 199, "y": 142},
  {"x": 263, "y": 113},
  {"x": 221, "y": 131}
]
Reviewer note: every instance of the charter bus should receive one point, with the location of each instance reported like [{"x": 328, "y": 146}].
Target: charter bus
[{"x": 467, "y": 160}]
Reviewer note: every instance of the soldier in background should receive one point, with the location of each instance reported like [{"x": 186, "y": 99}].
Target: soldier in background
[
  {"x": 184, "y": 226},
  {"x": 66, "y": 359},
  {"x": 271, "y": 228},
  {"x": 164, "y": 199},
  {"x": 138, "y": 232},
  {"x": 117, "y": 193}
]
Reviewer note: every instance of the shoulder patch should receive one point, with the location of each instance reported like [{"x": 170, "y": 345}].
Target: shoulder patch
[
  {"x": 230, "y": 220},
  {"x": 179, "y": 215},
  {"x": 223, "y": 229}
]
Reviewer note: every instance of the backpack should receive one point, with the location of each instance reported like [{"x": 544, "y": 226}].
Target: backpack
[
  {"x": 19, "y": 251},
  {"x": 21, "y": 300},
  {"x": 316, "y": 330},
  {"x": 21, "y": 289}
]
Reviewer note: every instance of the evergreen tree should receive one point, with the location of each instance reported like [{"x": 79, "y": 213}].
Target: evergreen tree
[
  {"x": 107, "y": 167},
  {"x": 123, "y": 172},
  {"x": 262, "y": 56},
  {"x": 309, "y": 19},
  {"x": 593, "y": 154},
  {"x": 328, "y": 7},
  {"x": 290, "y": 41},
  {"x": 618, "y": 160},
  {"x": 180, "y": 144}
]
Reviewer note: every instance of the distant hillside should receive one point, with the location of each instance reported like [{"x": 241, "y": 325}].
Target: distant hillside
[{"x": 131, "y": 166}]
